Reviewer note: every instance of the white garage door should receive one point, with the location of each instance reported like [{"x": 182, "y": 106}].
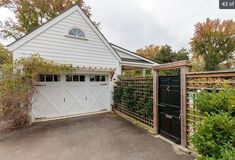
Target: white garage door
[{"x": 67, "y": 95}]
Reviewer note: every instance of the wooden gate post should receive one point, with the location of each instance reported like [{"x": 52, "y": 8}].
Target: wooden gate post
[
  {"x": 183, "y": 71},
  {"x": 155, "y": 100}
]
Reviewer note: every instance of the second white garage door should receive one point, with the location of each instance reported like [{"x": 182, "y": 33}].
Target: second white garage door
[{"x": 66, "y": 95}]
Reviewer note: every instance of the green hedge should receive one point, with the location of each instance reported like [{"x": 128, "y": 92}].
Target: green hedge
[{"x": 215, "y": 138}]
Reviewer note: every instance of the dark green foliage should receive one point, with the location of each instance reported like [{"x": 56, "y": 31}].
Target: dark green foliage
[
  {"x": 216, "y": 137},
  {"x": 128, "y": 96},
  {"x": 216, "y": 102},
  {"x": 146, "y": 108},
  {"x": 167, "y": 55},
  {"x": 117, "y": 94},
  {"x": 182, "y": 54}
]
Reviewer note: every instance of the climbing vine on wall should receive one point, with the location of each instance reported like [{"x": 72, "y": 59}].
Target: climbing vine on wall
[
  {"x": 135, "y": 95},
  {"x": 17, "y": 87}
]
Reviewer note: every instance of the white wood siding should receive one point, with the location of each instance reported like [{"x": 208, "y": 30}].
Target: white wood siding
[{"x": 53, "y": 44}]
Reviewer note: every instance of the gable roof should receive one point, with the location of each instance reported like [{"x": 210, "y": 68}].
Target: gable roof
[
  {"x": 13, "y": 46},
  {"x": 129, "y": 56},
  {"x": 123, "y": 55}
]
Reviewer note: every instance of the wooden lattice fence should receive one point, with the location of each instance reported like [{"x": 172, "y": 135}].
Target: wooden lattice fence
[
  {"x": 197, "y": 82},
  {"x": 133, "y": 99}
]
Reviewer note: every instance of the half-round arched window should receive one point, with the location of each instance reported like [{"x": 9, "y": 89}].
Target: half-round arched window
[{"x": 76, "y": 32}]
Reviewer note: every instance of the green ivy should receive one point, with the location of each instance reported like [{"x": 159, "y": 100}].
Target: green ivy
[
  {"x": 126, "y": 95},
  {"x": 118, "y": 94},
  {"x": 130, "y": 98}
]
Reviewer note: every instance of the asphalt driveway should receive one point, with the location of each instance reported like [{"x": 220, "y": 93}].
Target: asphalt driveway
[{"x": 99, "y": 137}]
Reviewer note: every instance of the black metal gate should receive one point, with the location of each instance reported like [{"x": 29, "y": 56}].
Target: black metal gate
[{"x": 169, "y": 107}]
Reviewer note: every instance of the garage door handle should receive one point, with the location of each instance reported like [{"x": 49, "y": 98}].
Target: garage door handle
[
  {"x": 86, "y": 98},
  {"x": 64, "y": 99},
  {"x": 38, "y": 85}
]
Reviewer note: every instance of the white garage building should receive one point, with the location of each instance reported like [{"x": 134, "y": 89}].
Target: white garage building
[{"x": 72, "y": 38}]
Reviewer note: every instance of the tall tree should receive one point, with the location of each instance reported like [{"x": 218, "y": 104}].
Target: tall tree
[
  {"x": 30, "y": 14},
  {"x": 166, "y": 55},
  {"x": 182, "y": 54},
  {"x": 213, "y": 41},
  {"x": 149, "y": 52},
  {"x": 163, "y": 54}
]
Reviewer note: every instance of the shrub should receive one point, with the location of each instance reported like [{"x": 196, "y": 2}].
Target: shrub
[
  {"x": 216, "y": 102},
  {"x": 215, "y": 138},
  {"x": 15, "y": 101}
]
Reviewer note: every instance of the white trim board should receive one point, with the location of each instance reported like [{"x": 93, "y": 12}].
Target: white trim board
[{"x": 143, "y": 65}]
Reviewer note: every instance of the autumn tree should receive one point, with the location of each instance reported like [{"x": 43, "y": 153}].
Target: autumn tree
[
  {"x": 163, "y": 54},
  {"x": 30, "y": 14},
  {"x": 197, "y": 63},
  {"x": 213, "y": 41},
  {"x": 5, "y": 56},
  {"x": 149, "y": 52}
]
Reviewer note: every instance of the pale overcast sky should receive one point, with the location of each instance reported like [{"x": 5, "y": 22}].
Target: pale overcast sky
[{"x": 136, "y": 23}]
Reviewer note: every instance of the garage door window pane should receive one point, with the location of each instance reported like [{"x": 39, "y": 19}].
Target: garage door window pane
[
  {"x": 49, "y": 78},
  {"x": 41, "y": 78},
  {"x": 69, "y": 78},
  {"x": 102, "y": 78},
  {"x": 75, "y": 78},
  {"x": 56, "y": 78},
  {"x": 92, "y": 78},
  {"x": 97, "y": 78},
  {"x": 82, "y": 78}
]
